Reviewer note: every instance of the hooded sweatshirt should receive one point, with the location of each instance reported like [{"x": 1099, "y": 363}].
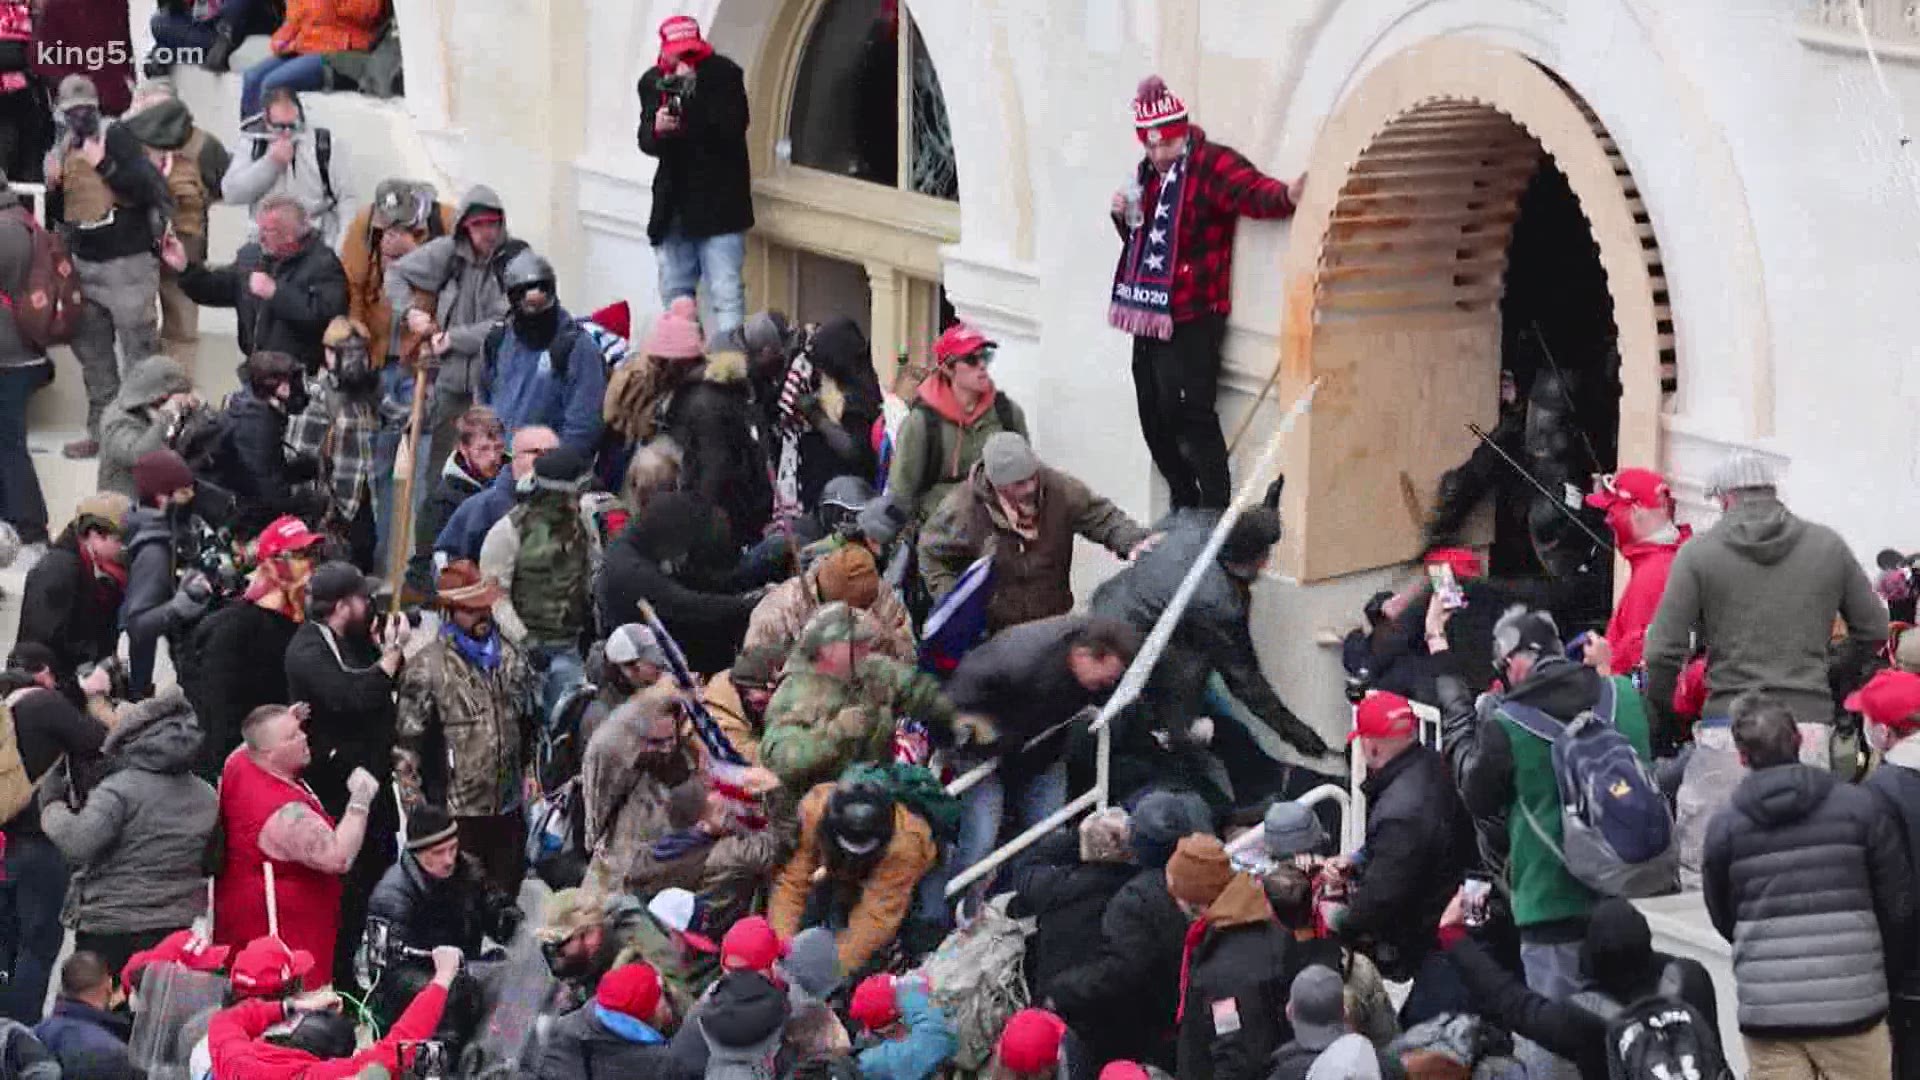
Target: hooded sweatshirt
[
  {"x": 469, "y": 297},
  {"x": 1764, "y": 585},
  {"x": 939, "y": 426},
  {"x": 138, "y": 841},
  {"x": 16, "y": 262},
  {"x": 741, "y": 1021},
  {"x": 250, "y": 179},
  {"x": 1649, "y": 562},
  {"x": 131, "y": 426}
]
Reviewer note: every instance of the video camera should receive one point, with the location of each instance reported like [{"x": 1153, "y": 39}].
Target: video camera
[
  {"x": 380, "y": 949},
  {"x": 425, "y": 1060}
]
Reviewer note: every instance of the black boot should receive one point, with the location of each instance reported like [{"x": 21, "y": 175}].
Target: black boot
[
  {"x": 222, "y": 47},
  {"x": 153, "y": 68}
]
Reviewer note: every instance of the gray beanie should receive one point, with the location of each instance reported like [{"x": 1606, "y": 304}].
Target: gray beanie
[
  {"x": 1740, "y": 471},
  {"x": 1291, "y": 829},
  {"x": 880, "y": 521},
  {"x": 1008, "y": 459},
  {"x": 1160, "y": 819},
  {"x": 766, "y": 331},
  {"x": 812, "y": 963}
]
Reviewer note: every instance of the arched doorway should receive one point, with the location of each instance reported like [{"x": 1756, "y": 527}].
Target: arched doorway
[
  {"x": 1446, "y": 195},
  {"x": 858, "y": 187}
]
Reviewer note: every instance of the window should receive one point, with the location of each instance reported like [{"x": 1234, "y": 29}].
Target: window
[{"x": 867, "y": 102}]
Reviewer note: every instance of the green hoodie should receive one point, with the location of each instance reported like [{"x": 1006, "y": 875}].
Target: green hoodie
[{"x": 1763, "y": 587}]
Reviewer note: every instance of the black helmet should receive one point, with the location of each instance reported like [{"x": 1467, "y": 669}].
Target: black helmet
[
  {"x": 860, "y": 818},
  {"x": 526, "y": 270},
  {"x": 326, "y": 1035}
]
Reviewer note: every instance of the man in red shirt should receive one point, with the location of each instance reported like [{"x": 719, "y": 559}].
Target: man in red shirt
[
  {"x": 1173, "y": 288},
  {"x": 1639, "y": 509}
]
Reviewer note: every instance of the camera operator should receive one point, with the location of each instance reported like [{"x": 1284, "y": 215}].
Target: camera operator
[
  {"x": 178, "y": 567},
  {"x": 434, "y": 897},
  {"x": 138, "y": 841},
  {"x": 693, "y": 117},
  {"x": 47, "y": 727},
  {"x": 154, "y": 398},
  {"x": 318, "y": 1041}
]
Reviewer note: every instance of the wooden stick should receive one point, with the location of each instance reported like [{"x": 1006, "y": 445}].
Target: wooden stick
[
  {"x": 273, "y": 905},
  {"x": 401, "y": 550}
]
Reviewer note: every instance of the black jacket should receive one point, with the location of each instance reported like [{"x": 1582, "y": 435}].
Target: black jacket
[
  {"x": 310, "y": 289},
  {"x": 1898, "y": 789},
  {"x": 1020, "y": 678},
  {"x": 1565, "y": 1029},
  {"x": 242, "y": 651},
  {"x": 647, "y": 562},
  {"x": 353, "y": 708},
  {"x": 1121, "y": 999},
  {"x": 582, "y": 1047},
  {"x": 1419, "y": 845},
  {"x": 842, "y": 447},
  {"x": 456, "y": 486},
  {"x": 46, "y": 725},
  {"x": 1066, "y": 897},
  {"x": 1239, "y": 975},
  {"x": 69, "y": 610},
  {"x": 251, "y": 463},
  {"x": 711, "y": 419},
  {"x": 1810, "y": 881},
  {"x": 461, "y": 911},
  {"x": 149, "y": 611},
  {"x": 704, "y": 184},
  {"x": 141, "y": 189}
]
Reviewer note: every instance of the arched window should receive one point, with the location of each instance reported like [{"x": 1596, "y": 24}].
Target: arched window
[
  {"x": 859, "y": 188},
  {"x": 867, "y": 102}
]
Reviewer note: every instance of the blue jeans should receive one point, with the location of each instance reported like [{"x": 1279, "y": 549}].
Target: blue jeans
[
  {"x": 685, "y": 263},
  {"x": 984, "y": 807},
  {"x": 22, "y": 505},
  {"x": 178, "y": 32},
  {"x": 30, "y": 933},
  {"x": 295, "y": 72},
  {"x": 561, "y": 669}
]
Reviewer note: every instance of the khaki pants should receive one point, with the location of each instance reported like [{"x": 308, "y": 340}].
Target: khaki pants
[
  {"x": 179, "y": 321},
  {"x": 1866, "y": 1056}
]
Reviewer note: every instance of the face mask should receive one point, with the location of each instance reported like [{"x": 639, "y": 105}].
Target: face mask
[{"x": 537, "y": 328}]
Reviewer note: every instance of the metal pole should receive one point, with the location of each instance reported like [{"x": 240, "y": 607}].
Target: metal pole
[
  {"x": 1103, "y": 764},
  {"x": 1021, "y": 843}
]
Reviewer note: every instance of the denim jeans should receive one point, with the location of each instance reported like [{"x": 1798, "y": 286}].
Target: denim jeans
[
  {"x": 22, "y": 505},
  {"x": 984, "y": 807},
  {"x": 1552, "y": 970},
  {"x": 561, "y": 669},
  {"x": 717, "y": 260},
  {"x": 30, "y": 932},
  {"x": 294, "y": 72}
]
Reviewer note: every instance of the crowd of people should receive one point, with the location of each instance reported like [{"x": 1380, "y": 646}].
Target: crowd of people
[{"x": 699, "y": 626}]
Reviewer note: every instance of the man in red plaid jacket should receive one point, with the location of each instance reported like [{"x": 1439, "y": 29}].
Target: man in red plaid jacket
[{"x": 1173, "y": 288}]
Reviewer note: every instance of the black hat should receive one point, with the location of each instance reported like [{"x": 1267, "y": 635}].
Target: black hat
[
  {"x": 429, "y": 826},
  {"x": 860, "y": 818},
  {"x": 562, "y": 468},
  {"x": 1520, "y": 630},
  {"x": 335, "y": 581},
  {"x": 1160, "y": 819}
]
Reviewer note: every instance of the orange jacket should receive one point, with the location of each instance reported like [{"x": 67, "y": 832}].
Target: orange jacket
[
  {"x": 324, "y": 26},
  {"x": 887, "y": 897},
  {"x": 367, "y": 273}
]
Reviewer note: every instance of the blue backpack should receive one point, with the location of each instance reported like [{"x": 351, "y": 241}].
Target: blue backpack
[{"x": 1617, "y": 834}]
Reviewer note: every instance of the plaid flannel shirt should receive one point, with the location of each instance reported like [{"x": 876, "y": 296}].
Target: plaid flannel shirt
[
  {"x": 339, "y": 431},
  {"x": 1225, "y": 188}
]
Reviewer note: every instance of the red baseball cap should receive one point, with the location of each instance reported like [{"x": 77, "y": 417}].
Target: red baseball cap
[
  {"x": 1891, "y": 698},
  {"x": 1123, "y": 1070},
  {"x": 1383, "y": 715},
  {"x": 874, "y": 1006},
  {"x": 1465, "y": 561},
  {"x": 751, "y": 944},
  {"x": 1632, "y": 487},
  {"x": 960, "y": 341},
  {"x": 1030, "y": 1042},
  {"x": 179, "y": 947},
  {"x": 267, "y": 966},
  {"x": 286, "y": 533},
  {"x": 631, "y": 990}
]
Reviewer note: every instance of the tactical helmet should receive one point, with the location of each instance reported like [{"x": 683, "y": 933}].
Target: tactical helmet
[
  {"x": 859, "y": 818},
  {"x": 526, "y": 270}
]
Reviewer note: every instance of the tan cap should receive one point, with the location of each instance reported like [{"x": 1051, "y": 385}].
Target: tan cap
[{"x": 568, "y": 912}]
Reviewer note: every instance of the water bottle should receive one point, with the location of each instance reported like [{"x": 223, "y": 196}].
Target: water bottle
[{"x": 1136, "y": 213}]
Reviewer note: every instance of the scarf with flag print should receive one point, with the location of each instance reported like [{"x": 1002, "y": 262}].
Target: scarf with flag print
[
  {"x": 726, "y": 767},
  {"x": 1143, "y": 282},
  {"x": 802, "y": 379}
]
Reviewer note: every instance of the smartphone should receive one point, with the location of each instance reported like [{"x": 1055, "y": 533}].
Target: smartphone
[
  {"x": 1477, "y": 900},
  {"x": 1446, "y": 588}
]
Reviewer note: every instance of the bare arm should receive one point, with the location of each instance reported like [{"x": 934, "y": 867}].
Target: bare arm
[{"x": 296, "y": 834}]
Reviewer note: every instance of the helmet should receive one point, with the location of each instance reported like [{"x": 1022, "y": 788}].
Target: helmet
[
  {"x": 859, "y": 818},
  {"x": 526, "y": 270},
  {"x": 325, "y": 1035},
  {"x": 846, "y": 493}
]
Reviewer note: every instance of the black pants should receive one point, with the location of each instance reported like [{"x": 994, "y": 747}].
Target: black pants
[
  {"x": 117, "y": 949},
  {"x": 1174, "y": 383},
  {"x": 1903, "y": 1023}
]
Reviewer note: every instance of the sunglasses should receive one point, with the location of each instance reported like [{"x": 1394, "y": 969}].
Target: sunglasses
[{"x": 980, "y": 358}]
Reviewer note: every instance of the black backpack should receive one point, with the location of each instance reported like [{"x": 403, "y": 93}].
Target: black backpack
[
  {"x": 559, "y": 350},
  {"x": 1659, "y": 1037},
  {"x": 931, "y": 471},
  {"x": 322, "y": 153}
]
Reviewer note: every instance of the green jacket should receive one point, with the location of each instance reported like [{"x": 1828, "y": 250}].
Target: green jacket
[
  {"x": 937, "y": 427},
  {"x": 1542, "y": 889},
  {"x": 818, "y": 724}
]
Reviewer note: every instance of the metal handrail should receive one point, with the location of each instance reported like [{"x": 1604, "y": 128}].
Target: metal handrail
[{"x": 1135, "y": 679}]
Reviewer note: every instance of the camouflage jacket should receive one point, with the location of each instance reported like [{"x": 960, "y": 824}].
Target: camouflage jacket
[
  {"x": 626, "y": 807},
  {"x": 462, "y": 733},
  {"x": 783, "y": 613},
  {"x": 819, "y": 724}
]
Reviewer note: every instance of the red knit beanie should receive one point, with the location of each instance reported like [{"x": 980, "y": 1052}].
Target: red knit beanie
[
  {"x": 159, "y": 473},
  {"x": 1158, "y": 116}
]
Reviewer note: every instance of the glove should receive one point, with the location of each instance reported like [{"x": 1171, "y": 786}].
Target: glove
[
  {"x": 1304, "y": 739},
  {"x": 507, "y": 923},
  {"x": 972, "y": 729}
]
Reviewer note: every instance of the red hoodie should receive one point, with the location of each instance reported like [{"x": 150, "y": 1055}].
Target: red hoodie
[
  {"x": 1648, "y": 564},
  {"x": 240, "y": 1054}
]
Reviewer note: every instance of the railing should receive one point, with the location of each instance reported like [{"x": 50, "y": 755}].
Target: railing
[
  {"x": 1892, "y": 26},
  {"x": 1135, "y": 679},
  {"x": 36, "y": 195}
]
